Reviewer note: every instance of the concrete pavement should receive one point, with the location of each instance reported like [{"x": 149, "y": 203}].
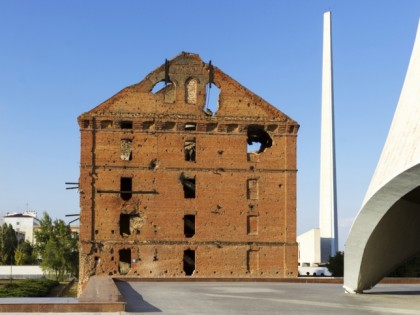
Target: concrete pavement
[{"x": 266, "y": 298}]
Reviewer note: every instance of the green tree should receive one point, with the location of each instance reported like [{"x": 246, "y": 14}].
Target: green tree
[
  {"x": 336, "y": 265},
  {"x": 56, "y": 246},
  {"x": 8, "y": 244},
  {"x": 24, "y": 254}
]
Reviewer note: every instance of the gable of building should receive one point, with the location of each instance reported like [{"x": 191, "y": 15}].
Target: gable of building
[{"x": 187, "y": 85}]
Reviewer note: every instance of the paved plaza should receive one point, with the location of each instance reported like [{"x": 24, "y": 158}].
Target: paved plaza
[
  {"x": 266, "y": 298},
  {"x": 254, "y": 298}
]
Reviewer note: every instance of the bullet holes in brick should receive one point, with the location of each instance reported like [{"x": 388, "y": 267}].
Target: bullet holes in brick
[
  {"x": 258, "y": 139},
  {"x": 126, "y": 124},
  {"x": 126, "y": 188},
  {"x": 126, "y": 150},
  {"x": 189, "y": 262},
  {"x": 124, "y": 261},
  {"x": 153, "y": 164},
  {"x": 189, "y": 225},
  {"x": 189, "y": 149},
  {"x": 188, "y": 184}
]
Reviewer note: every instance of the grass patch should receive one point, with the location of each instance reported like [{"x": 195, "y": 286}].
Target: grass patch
[{"x": 28, "y": 288}]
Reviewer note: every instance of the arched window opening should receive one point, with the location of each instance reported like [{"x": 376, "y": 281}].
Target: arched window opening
[
  {"x": 160, "y": 86},
  {"x": 191, "y": 90},
  {"x": 212, "y": 99},
  {"x": 167, "y": 89}
]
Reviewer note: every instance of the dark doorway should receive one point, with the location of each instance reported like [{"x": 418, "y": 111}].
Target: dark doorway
[
  {"x": 125, "y": 261},
  {"x": 189, "y": 262},
  {"x": 126, "y": 188}
]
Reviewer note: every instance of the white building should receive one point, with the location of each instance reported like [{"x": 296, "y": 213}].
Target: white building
[{"x": 23, "y": 223}]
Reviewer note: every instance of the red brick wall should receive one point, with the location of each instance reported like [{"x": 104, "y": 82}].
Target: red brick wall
[{"x": 224, "y": 212}]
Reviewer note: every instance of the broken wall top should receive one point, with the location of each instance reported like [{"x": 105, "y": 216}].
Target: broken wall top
[{"x": 187, "y": 82}]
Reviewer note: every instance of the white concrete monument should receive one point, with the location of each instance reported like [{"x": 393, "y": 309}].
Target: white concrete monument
[
  {"x": 386, "y": 231},
  {"x": 327, "y": 197}
]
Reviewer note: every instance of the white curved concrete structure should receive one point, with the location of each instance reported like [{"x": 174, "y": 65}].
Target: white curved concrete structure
[{"x": 386, "y": 231}]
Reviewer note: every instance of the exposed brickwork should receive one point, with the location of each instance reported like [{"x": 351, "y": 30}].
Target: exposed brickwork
[{"x": 167, "y": 190}]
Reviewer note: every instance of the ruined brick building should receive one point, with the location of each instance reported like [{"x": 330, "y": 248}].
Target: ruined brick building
[{"x": 168, "y": 187}]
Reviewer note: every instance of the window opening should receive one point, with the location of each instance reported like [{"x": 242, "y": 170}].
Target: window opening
[
  {"x": 147, "y": 125},
  {"x": 130, "y": 223},
  {"x": 189, "y": 262},
  {"x": 211, "y": 126},
  {"x": 126, "y": 150},
  {"x": 126, "y": 124},
  {"x": 258, "y": 139},
  {"x": 189, "y": 225},
  {"x": 126, "y": 188},
  {"x": 191, "y": 88},
  {"x": 252, "y": 189},
  {"x": 159, "y": 87},
  {"x": 232, "y": 127},
  {"x": 189, "y": 150},
  {"x": 86, "y": 123},
  {"x": 272, "y": 128},
  {"x": 125, "y": 261},
  {"x": 190, "y": 126},
  {"x": 168, "y": 89},
  {"x": 124, "y": 224},
  {"x": 188, "y": 184},
  {"x": 212, "y": 101},
  {"x": 168, "y": 125},
  {"x": 106, "y": 124}
]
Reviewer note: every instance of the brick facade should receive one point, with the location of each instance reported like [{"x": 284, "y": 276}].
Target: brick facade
[{"x": 167, "y": 188}]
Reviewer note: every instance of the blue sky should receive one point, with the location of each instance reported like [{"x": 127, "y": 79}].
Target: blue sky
[{"x": 59, "y": 59}]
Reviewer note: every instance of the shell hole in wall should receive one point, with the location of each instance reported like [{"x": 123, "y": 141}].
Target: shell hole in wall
[
  {"x": 258, "y": 140},
  {"x": 160, "y": 86},
  {"x": 212, "y": 99}
]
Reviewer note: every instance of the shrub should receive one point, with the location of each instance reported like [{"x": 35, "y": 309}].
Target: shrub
[{"x": 28, "y": 288}]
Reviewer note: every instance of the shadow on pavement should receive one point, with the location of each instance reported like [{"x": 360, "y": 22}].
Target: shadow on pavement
[{"x": 135, "y": 302}]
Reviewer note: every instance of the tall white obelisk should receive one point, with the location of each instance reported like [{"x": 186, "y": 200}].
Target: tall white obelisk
[{"x": 327, "y": 197}]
